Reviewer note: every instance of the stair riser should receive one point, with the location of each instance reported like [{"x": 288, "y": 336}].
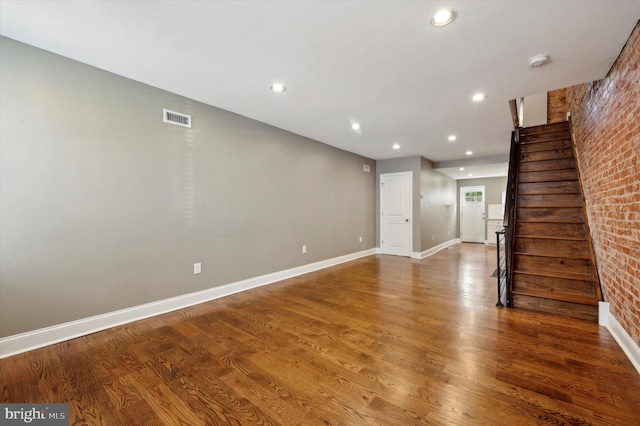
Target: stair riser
[
  {"x": 543, "y": 137},
  {"x": 547, "y": 176},
  {"x": 523, "y": 283},
  {"x": 545, "y": 128},
  {"x": 573, "y": 310},
  {"x": 565, "y": 214},
  {"x": 563, "y": 230},
  {"x": 546, "y": 155},
  {"x": 551, "y": 265},
  {"x": 557, "y": 247},
  {"x": 550, "y": 200},
  {"x": 547, "y": 165},
  {"x": 544, "y": 146},
  {"x": 532, "y": 188}
]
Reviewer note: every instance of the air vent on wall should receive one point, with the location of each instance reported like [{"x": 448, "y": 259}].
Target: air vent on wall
[{"x": 177, "y": 118}]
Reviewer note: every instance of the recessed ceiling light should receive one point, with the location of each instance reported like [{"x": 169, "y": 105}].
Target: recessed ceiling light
[
  {"x": 444, "y": 17},
  {"x": 355, "y": 126},
  {"x": 479, "y": 97},
  {"x": 470, "y": 174},
  {"x": 396, "y": 146},
  {"x": 278, "y": 87},
  {"x": 452, "y": 138},
  {"x": 462, "y": 169},
  {"x": 469, "y": 152}
]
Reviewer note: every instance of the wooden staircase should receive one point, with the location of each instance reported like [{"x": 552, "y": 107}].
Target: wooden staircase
[{"x": 554, "y": 267}]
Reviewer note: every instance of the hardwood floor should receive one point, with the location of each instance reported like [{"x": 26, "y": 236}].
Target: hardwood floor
[{"x": 382, "y": 340}]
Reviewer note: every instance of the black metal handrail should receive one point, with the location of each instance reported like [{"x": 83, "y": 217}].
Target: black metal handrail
[
  {"x": 509, "y": 212},
  {"x": 504, "y": 297},
  {"x": 512, "y": 178}
]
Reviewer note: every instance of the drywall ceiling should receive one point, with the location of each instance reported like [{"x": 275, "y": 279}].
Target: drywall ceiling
[{"x": 379, "y": 63}]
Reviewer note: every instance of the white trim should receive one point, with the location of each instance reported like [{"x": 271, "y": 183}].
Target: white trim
[
  {"x": 434, "y": 250},
  {"x": 629, "y": 347},
  {"x": 603, "y": 313},
  {"x": 13, "y": 345}
]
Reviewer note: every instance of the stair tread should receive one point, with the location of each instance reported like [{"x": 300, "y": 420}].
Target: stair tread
[
  {"x": 547, "y": 159},
  {"x": 549, "y": 207},
  {"x": 548, "y": 180},
  {"x": 525, "y": 142},
  {"x": 537, "y": 220},
  {"x": 566, "y": 180},
  {"x": 544, "y": 128},
  {"x": 545, "y": 180},
  {"x": 544, "y": 171},
  {"x": 571, "y": 298},
  {"x": 566, "y": 222},
  {"x": 551, "y": 237},
  {"x": 545, "y": 149},
  {"x": 550, "y": 193},
  {"x": 543, "y": 132},
  {"x": 542, "y": 164},
  {"x": 565, "y": 275},
  {"x": 558, "y": 255}
]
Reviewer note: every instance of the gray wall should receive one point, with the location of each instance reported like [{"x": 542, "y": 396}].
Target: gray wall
[
  {"x": 438, "y": 213},
  {"x": 433, "y": 222},
  {"x": 493, "y": 189},
  {"x": 105, "y": 207}
]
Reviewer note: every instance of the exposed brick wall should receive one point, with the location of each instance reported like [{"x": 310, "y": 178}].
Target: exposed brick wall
[
  {"x": 606, "y": 124},
  {"x": 557, "y": 106}
]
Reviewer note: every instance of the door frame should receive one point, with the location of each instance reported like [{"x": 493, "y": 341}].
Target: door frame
[
  {"x": 382, "y": 231},
  {"x": 484, "y": 220}
]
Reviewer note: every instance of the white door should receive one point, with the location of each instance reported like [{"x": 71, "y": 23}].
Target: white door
[
  {"x": 472, "y": 200},
  {"x": 396, "y": 220}
]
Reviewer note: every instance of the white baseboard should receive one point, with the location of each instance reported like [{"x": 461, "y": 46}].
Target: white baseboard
[
  {"x": 603, "y": 313},
  {"x": 19, "y": 343},
  {"x": 427, "y": 253},
  {"x": 434, "y": 250},
  {"x": 629, "y": 347}
]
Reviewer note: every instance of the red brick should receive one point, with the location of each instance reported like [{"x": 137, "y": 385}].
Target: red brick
[{"x": 606, "y": 125}]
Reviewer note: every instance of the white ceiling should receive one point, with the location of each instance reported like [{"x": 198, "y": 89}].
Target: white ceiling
[
  {"x": 380, "y": 63},
  {"x": 477, "y": 171}
]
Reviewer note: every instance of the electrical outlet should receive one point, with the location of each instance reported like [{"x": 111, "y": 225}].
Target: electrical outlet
[
  {"x": 433, "y": 237},
  {"x": 360, "y": 239},
  {"x": 304, "y": 249},
  {"x": 197, "y": 268}
]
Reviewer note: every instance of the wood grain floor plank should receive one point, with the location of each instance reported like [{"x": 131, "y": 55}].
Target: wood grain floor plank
[{"x": 381, "y": 340}]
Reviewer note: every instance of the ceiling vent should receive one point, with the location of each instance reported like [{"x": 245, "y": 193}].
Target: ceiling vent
[{"x": 177, "y": 118}]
